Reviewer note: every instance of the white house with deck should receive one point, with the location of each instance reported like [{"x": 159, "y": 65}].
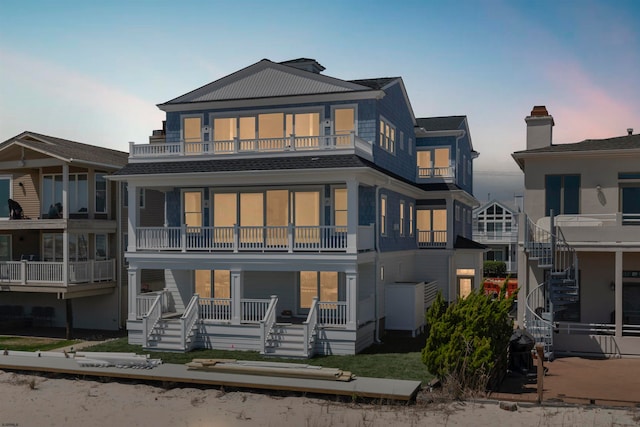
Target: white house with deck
[
  {"x": 294, "y": 204},
  {"x": 579, "y": 266}
]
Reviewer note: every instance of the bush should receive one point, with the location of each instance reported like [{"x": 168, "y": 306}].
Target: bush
[
  {"x": 467, "y": 340},
  {"x": 495, "y": 269}
]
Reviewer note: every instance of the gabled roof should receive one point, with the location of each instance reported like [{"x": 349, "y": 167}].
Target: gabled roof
[
  {"x": 441, "y": 123},
  {"x": 66, "y": 150},
  {"x": 615, "y": 144},
  {"x": 266, "y": 79},
  {"x": 377, "y": 83},
  {"x": 506, "y": 206}
]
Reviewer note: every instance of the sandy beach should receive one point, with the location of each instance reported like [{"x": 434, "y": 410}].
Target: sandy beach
[{"x": 28, "y": 400}]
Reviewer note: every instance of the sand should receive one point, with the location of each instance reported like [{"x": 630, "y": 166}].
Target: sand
[{"x": 28, "y": 400}]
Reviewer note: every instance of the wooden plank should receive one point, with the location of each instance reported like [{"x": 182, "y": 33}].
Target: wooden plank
[{"x": 376, "y": 388}]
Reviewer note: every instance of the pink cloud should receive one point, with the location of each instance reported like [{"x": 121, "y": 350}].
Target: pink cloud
[{"x": 585, "y": 109}]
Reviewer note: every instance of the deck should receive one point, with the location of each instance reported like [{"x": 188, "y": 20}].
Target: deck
[{"x": 375, "y": 388}]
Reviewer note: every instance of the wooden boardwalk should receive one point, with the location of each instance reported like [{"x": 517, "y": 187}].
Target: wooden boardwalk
[{"x": 376, "y": 388}]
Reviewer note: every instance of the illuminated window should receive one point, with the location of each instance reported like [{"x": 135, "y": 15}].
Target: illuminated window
[
  {"x": 410, "y": 219},
  {"x": 314, "y": 283},
  {"x": 383, "y": 215},
  {"x": 221, "y": 283},
  {"x": 224, "y": 129},
  {"x": 192, "y": 129},
  {"x": 432, "y": 225},
  {"x": 387, "y": 136},
  {"x": 340, "y": 207},
  {"x": 402, "y": 218},
  {"x": 192, "y": 208}
]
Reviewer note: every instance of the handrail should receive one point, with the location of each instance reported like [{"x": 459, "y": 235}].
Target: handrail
[
  {"x": 268, "y": 322},
  {"x": 151, "y": 319},
  {"x": 540, "y": 328},
  {"x": 188, "y": 319},
  {"x": 310, "y": 327}
]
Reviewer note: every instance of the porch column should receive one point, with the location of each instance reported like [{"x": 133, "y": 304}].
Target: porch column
[
  {"x": 351, "y": 282},
  {"x": 237, "y": 285},
  {"x": 133, "y": 290},
  {"x": 352, "y": 216},
  {"x": 132, "y": 223},
  {"x": 618, "y": 296},
  {"x": 450, "y": 223},
  {"x": 65, "y": 191},
  {"x": 65, "y": 256}
]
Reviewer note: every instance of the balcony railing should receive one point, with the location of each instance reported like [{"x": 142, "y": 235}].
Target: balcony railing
[
  {"x": 43, "y": 272},
  {"x": 432, "y": 239},
  {"x": 498, "y": 236},
  {"x": 251, "y": 238},
  {"x": 238, "y": 146},
  {"x": 436, "y": 172}
]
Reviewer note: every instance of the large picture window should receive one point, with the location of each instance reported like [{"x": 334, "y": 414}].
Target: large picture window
[
  {"x": 562, "y": 194},
  {"x": 78, "y": 194},
  {"x": 323, "y": 284}
]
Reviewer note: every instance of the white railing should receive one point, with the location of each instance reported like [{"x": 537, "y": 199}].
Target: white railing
[
  {"x": 251, "y": 146},
  {"x": 503, "y": 236},
  {"x": 26, "y": 272},
  {"x": 144, "y": 302},
  {"x": 538, "y": 319},
  {"x": 216, "y": 309},
  {"x": 254, "y": 310},
  {"x": 436, "y": 172},
  {"x": 310, "y": 327},
  {"x": 188, "y": 320},
  {"x": 267, "y": 322},
  {"x": 332, "y": 313},
  {"x": 576, "y": 328},
  {"x": 249, "y": 238},
  {"x": 432, "y": 239},
  {"x": 151, "y": 319}
]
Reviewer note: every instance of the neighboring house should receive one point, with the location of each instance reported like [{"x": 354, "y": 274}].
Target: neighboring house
[
  {"x": 294, "y": 202},
  {"x": 579, "y": 267},
  {"x": 58, "y": 254},
  {"x": 495, "y": 225}
]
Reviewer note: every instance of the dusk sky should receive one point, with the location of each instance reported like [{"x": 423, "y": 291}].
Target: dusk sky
[{"x": 94, "y": 72}]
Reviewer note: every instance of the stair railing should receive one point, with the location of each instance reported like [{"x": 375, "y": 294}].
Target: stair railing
[
  {"x": 188, "y": 319},
  {"x": 267, "y": 323},
  {"x": 538, "y": 318},
  {"x": 310, "y": 326},
  {"x": 151, "y": 319}
]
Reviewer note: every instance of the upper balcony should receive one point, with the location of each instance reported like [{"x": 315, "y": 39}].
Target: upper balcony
[
  {"x": 435, "y": 174},
  {"x": 495, "y": 236},
  {"x": 323, "y": 144},
  {"x": 598, "y": 229}
]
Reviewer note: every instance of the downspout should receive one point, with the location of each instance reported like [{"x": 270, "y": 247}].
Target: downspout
[
  {"x": 376, "y": 272},
  {"x": 119, "y": 251}
]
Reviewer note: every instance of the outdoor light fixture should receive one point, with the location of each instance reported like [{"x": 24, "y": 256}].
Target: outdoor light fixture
[{"x": 598, "y": 188}]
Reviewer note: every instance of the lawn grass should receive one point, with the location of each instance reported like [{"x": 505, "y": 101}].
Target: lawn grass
[
  {"x": 33, "y": 343},
  {"x": 378, "y": 362}
]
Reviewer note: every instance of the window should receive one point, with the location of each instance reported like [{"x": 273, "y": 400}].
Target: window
[
  {"x": 434, "y": 162},
  {"x": 192, "y": 129},
  {"x": 493, "y": 220},
  {"x": 340, "y": 207},
  {"x": 344, "y": 123},
  {"x": 5, "y": 194},
  {"x": 78, "y": 193},
  {"x": 221, "y": 283},
  {"x": 192, "y": 203},
  {"x": 52, "y": 247},
  {"x": 101, "y": 193},
  {"x": 383, "y": 215},
  {"x": 402, "y": 218},
  {"x": 401, "y": 140},
  {"x": 387, "y": 136},
  {"x": 411, "y": 219},
  {"x": 102, "y": 250},
  {"x": 432, "y": 226},
  {"x": 629, "y": 184},
  {"x": 313, "y": 283},
  {"x": 5, "y": 247},
  {"x": 562, "y": 194},
  {"x": 125, "y": 196},
  {"x": 457, "y": 212}
]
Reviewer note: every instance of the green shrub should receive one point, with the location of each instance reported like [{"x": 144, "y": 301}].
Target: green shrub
[
  {"x": 467, "y": 340},
  {"x": 495, "y": 269}
]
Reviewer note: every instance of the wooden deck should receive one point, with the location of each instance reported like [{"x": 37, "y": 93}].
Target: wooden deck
[{"x": 375, "y": 388}]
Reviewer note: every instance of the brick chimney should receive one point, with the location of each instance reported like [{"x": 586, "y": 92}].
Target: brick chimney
[{"x": 539, "y": 128}]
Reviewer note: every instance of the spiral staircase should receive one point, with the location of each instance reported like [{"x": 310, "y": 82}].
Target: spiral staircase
[{"x": 546, "y": 246}]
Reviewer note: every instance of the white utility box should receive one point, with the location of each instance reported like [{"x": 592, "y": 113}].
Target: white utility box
[{"x": 405, "y": 307}]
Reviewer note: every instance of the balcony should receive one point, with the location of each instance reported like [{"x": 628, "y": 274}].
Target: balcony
[
  {"x": 43, "y": 273},
  {"x": 325, "y": 144},
  {"x": 600, "y": 229},
  {"x": 436, "y": 174},
  {"x": 324, "y": 238},
  {"x": 432, "y": 239},
  {"x": 493, "y": 237}
]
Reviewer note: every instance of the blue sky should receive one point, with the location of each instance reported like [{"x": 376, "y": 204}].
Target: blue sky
[{"x": 94, "y": 71}]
